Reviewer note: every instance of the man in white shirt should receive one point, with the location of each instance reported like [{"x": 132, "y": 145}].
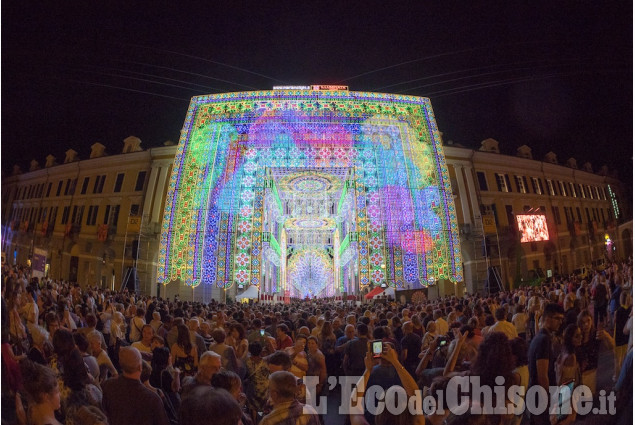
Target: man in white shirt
[{"x": 502, "y": 325}]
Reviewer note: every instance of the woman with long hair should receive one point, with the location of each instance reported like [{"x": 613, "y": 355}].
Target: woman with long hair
[
  {"x": 587, "y": 353},
  {"x": 237, "y": 340},
  {"x": 327, "y": 341},
  {"x": 226, "y": 352},
  {"x": 567, "y": 367},
  {"x": 184, "y": 353}
]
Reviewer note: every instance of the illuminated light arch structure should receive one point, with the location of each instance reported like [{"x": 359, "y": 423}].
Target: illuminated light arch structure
[{"x": 270, "y": 187}]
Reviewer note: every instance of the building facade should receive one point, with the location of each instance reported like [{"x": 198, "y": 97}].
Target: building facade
[{"x": 98, "y": 221}]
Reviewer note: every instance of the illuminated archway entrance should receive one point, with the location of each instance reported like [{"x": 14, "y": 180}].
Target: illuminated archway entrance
[{"x": 308, "y": 193}]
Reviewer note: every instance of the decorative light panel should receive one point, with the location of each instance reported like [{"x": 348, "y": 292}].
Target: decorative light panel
[{"x": 367, "y": 165}]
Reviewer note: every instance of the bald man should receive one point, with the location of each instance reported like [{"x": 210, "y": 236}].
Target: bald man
[{"x": 126, "y": 400}]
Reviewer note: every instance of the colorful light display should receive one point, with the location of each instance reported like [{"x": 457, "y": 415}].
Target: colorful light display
[{"x": 312, "y": 183}]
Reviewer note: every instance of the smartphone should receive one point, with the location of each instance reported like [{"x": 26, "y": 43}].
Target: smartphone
[
  {"x": 262, "y": 332},
  {"x": 443, "y": 342},
  {"x": 378, "y": 348},
  {"x": 564, "y": 398}
]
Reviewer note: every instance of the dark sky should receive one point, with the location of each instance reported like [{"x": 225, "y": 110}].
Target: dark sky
[{"x": 552, "y": 75}]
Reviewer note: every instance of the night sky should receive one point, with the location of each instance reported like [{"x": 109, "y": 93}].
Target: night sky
[{"x": 552, "y": 75}]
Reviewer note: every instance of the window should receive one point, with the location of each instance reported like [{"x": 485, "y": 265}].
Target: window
[
  {"x": 520, "y": 184},
  {"x": 134, "y": 209},
  {"x": 118, "y": 182},
  {"x": 59, "y": 188},
  {"x": 48, "y": 190},
  {"x": 112, "y": 215},
  {"x": 581, "y": 190},
  {"x": 502, "y": 181},
  {"x": 572, "y": 190},
  {"x": 602, "y": 213},
  {"x": 579, "y": 214},
  {"x": 556, "y": 214},
  {"x": 65, "y": 214},
  {"x": 563, "y": 188},
  {"x": 141, "y": 179},
  {"x": 603, "y": 192},
  {"x": 588, "y": 216},
  {"x": 68, "y": 186},
  {"x": 91, "y": 217},
  {"x": 85, "y": 185},
  {"x": 511, "y": 220},
  {"x": 537, "y": 185},
  {"x": 597, "y": 192},
  {"x": 99, "y": 184}
]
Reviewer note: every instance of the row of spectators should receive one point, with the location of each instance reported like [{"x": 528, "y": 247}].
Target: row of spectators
[{"x": 92, "y": 356}]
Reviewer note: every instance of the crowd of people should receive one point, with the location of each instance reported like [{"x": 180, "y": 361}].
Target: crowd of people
[{"x": 87, "y": 355}]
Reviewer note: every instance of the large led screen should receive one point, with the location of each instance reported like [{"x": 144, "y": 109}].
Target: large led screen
[{"x": 532, "y": 228}]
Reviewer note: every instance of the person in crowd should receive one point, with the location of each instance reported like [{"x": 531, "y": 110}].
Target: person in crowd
[
  {"x": 297, "y": 353},
  {"x": 442, "y": 327},
  {"x": 567, "y": 367},
  {"x": 136, "y": 325},
  {"x": 587, "y": 353},
  {"x": 209, "y": 406},
  {"x": 41, "y": 348},
  {"x": 194, "y": 326},
  {"x": 146, "y": 372},
  {"x": 286, "y": 408},
  {"x": 283, "y": 340},
  {"x": 410, "y": 348},
  {"x": 105, "y": 364},
  {"x": 520, "y": 321},
  {"x": 355, "y": 352},
  {"x": 326, "y": 341},
  {"x": 238, "y": 340},
  {"x": 231, "y": 382},
  {"x": 256, "y": 381},
  {"x": 502, "y": 325},
  {"x": 144, "y": 345},
  {"x": 43, "y": 393},
  {"x": 317, "y": 363},
  {"x": 184, "y": 353},
  {"x": 541, "y": 360},
  {"x": 227, "y": 353},
  {"x": 209, "y": 365},
  {"x": 621, "y": 338},
  {"x": 126, "y": 400},
  {"x": 520, "y": 373},
  {"x": 89, "y": 360}
]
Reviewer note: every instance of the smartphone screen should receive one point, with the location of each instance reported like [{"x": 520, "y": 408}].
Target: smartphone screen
[
  {"x": 377, "y": 348},
  {"x": 262, "y": 332}
]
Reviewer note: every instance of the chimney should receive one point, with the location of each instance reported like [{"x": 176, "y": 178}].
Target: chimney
[
  {"x": 71, "y": 156},
  {"x": 97, "y": 150},
  {"x": 50, "y": 161},
  {"x": 572, "y": 163},
  {"x": 587, "y": 167},
  {"x": 131, "y": 144},
  {"x": 34, "y": 165}
]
